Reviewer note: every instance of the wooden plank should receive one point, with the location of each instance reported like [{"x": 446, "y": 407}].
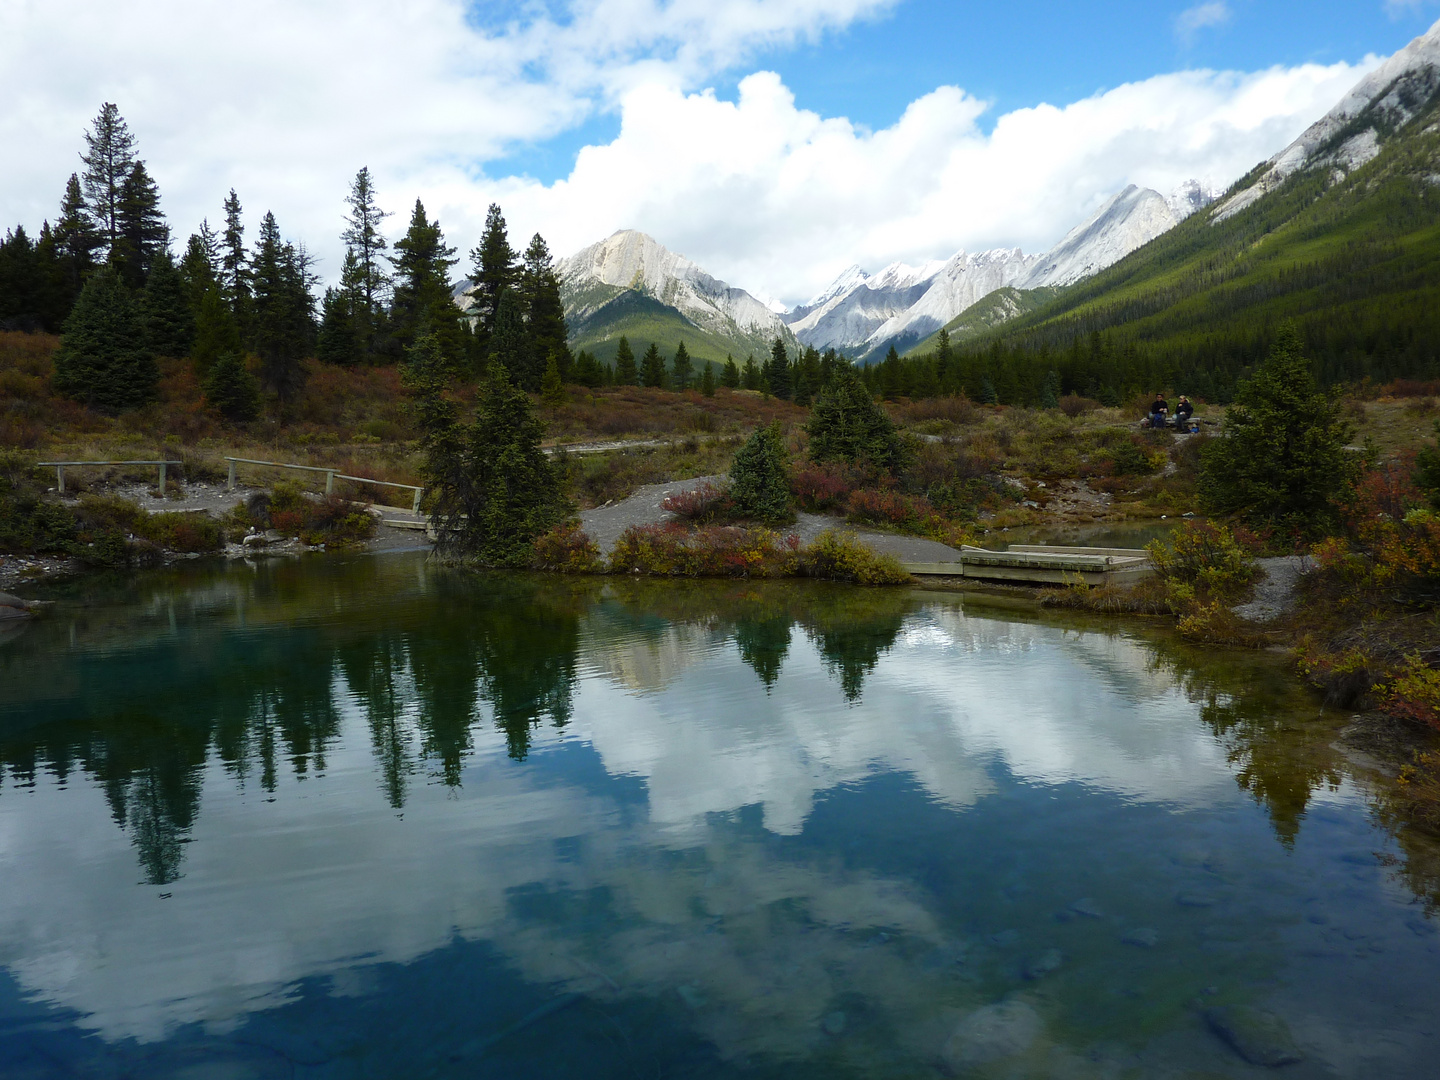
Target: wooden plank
[{"x": 1056, "y": 549}]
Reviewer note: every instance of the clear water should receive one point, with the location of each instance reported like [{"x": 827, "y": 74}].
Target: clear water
[{"x": 369, "y": 818}]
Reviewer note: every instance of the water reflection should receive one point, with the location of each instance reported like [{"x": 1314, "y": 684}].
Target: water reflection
[{"x": 410, "y": 822}]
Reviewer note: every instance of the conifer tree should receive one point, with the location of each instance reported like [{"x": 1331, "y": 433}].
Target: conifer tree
[
  {"x": 235, "y": 267},
  {"x": 625, "y": 371},
  {"x": 652, "y": 367},
  {"x": 365, "y": 247},
  {"x": 20, "y": 299},
  {"x": 944, "y": 361},
  {"x": 730, "y": 374},
  {"x": 707, "y": 380},
  {"x": 102, "y": 360},
  {"x": 540, "y": 300},
  {"x": 1282, "y": 460},
  {"x": 282, "y": 322},
  {"x": 510, "y": 345},
  {"x": 752, "y": 376},
  {"x": 76, "y": 240},
  {"x": 165, "y": 308},
  {"x": 552, "y": 389},
  {"x": 216, "y": 332},
  {"x": 231, "y": 390},
  {"x": 808, "y": 378},
  {"x": 846, "y": 425},
  {"x": 494, "y": 269},
  {"x": 760, "y": 476},
  {"x": 143, "y": 232},
  {"x": 338, "y": 339},
  {"x": 109, "y": 156},
  {"x": 200, "y": 265},
  {"x": 423, "y": 290},
  {"x": 681, "y": 368},
  {"x": 777, "y": 372},
  {"x": 588, "y": 371}
]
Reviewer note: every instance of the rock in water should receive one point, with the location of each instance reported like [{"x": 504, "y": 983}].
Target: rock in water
[
  {"x": 1088, "y": 908},
  {"x": 1143, "y": 937},
  {"x": 1044, "y": 964},
  {"x": 990, "y": 1034},
  {"x": 834, "y": 1023},
  {"x": 1259, "y": 1037}
]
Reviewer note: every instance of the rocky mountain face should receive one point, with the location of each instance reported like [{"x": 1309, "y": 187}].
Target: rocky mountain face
[
  {"x": 629, "y": 262},
  {"x": 1353, "y": 133},
  {"x": 864, "y": 316}
]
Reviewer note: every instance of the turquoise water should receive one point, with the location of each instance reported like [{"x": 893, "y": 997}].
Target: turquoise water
[{"x": 370, "y": 818}]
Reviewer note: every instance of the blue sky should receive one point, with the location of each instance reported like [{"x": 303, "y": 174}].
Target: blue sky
[
  {"x": 1025, "y": 52},
  {"x": 773, "y": 142}
]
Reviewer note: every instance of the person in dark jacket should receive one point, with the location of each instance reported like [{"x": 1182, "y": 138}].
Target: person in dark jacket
[
  {"x": 1183, "y": 411},
  {"x": 1158, "y": 408}
]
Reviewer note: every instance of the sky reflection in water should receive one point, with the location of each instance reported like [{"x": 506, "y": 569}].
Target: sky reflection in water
[{"x": 369, "y": 818}]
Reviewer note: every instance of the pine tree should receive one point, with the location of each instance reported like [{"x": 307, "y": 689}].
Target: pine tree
[
  {"x": 1282, "y": 460},
  {"x": 625, "y": 371},
  {"x": 988, "y": 394},
  {"x": 282, "y": 324},
  {"x": 730, "y": 375},
  {"x": 76, "y": 240},
  {"x": 588, "y": 371},
  {"x": 20, "y": 300},
  {"x": 337, "y": 341},
  {"x": 847, "y": 425},
  {"x": 510, "y": 345},
  {"x": 165, "y": 308},
  {"x": 808, "y": 378},
  {"x": 234, "y": 266},
  {"x": 216, "y": 332},
  {"x": 944, "y": 361},
  {"x": 102, "y": 360},
  {"x": 423, "y": 292},
  {"x": 707, "y": 380},
  {"x": 778, "y": 371},
  {"x": 652, "y": 367},
  {"x": 110, "y": 154},
  {"x": 200, "y": 265},
  {"x": 760, "y": 476},
  {"x": 494, "y": 270},
  {"x": 752, "y": 377},
  {"x": 365, "y": 245},
  {"x": 552, "y": 389},
  {"x": 143, "y": 232},
  {"x": 231, "y": 390},
  {"x": 680, "y": 368},
  {"x": 540, "y": 300}
]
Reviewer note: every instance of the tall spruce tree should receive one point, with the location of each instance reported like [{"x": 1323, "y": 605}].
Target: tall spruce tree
[
  {"x": 423, "y": 300},
  {"x": 143, "y": 232},
  {"x": 234, "y": 264},
  {"x": 103, "y": 361},
  {"x": 231, "y": 390},
  {"x": 544, "y": 313},
  {"x": 216, "y": 332},
  {"x": 652, "y": 367},
  {"x": 76, "y": 240},
  {"x": 760, "y": 476},
  {"x": 1283, "y": 460},
  {"x": 707, "y": 379},
  {"x": 282, "y": 323},
  {"x": 165, "y": 308},
  {"x": 751, "y": 377},
  {"x": 494, "y": 270},
  {"x": 626, "y": 373},
  {"x": 200, "y": 265},
  {"x": 366, "y": 245},
  {"x": 20, "y": 293},
  {"x": 510, "y": 345},
  {"x": 777, "y": 372},
  {"x": 681, "y": 369},
  {"x": 109, "y": 156},
  {"x": 730, "y": 374}
]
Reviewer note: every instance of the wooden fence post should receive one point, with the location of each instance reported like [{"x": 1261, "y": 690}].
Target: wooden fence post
[
  {"x": 230, "y": 486},
  {"x": 60, "y": 479}
]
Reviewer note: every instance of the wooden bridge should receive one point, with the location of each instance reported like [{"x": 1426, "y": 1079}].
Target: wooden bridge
[{"x": 1042, "y": 564}]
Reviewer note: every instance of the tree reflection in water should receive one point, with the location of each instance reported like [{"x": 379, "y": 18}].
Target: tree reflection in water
[{"x": 141, "y": 687}]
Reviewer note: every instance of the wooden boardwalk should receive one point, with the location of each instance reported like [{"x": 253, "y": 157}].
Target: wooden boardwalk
[{"x": 1041, "y": 564}]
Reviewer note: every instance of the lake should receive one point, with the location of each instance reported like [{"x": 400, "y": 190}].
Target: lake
[{"x": 369, "y": 817}]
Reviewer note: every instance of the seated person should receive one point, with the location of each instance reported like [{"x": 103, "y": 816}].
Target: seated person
[
  {"x": 1158, "y": 408},
  {"x": 1183, "y": 411}
]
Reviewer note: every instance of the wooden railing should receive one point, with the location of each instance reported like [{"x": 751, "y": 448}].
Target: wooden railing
[
  {"x": 331, "y": 475},
  {"x": 61, "y": 466}
]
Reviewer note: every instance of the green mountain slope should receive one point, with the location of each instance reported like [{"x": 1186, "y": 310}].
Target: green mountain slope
[
  {"x": 1353, "y": 257},
  {"x": 642, "y": 319},
  {"x": 993, "y": 310}
]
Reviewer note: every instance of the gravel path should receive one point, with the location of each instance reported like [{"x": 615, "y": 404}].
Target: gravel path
[{"x": 1275, "y": 593}]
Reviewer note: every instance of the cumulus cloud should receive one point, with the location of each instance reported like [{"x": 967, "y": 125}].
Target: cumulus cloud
[{"x": 285, "y": 101}]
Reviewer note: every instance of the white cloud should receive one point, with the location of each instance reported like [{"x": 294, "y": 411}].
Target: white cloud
[
  {"x": 1201, "y": 17},
  {"x": 285, "y": 101}
]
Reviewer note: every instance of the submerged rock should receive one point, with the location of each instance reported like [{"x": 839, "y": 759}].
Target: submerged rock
[
  {"x": 1044, "y": 964},
  {"x": 1142, "y": 937},
  {"x": 990, "y": 1034},
  {"x": 1088, "y": 908},
  {"x": 1259, "y": 1037},
  {"x": 834, "y": 1023}
]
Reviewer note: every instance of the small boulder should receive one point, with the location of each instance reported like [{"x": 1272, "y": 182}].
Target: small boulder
[
  {"x": 1040, "y": 966},
  {"x": 1259, "y": 1037},
  {"x": 1143, "y": 937},
  {"x": 991, "y": 1034}
]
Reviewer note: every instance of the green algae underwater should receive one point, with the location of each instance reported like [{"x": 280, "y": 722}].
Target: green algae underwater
[{"x": 370, "y": 817}]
